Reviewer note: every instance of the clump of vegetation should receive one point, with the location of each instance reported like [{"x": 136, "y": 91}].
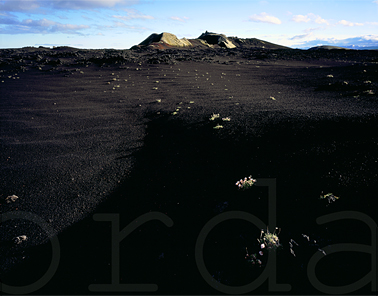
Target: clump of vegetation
[
  {"x": 245, "y": 183},
  {"x": 369, "y": 92},
  {"x": 252, "y": 258},
  {"x": 217, "y": 116},
  {"x": 214, "y": 116},
  {"x": 330, "y": 197},
  {"x": 268, "y": 240}
]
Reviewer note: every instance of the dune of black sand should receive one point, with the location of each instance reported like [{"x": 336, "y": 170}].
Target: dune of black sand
[{"x": 128, "y": 133}]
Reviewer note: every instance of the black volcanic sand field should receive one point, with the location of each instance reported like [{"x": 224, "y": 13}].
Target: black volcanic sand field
[{"x": 128, "y": 133}]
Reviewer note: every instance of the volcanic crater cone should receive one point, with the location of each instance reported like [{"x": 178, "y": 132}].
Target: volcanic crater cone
[
  {"x": 205, "y": 40},
  {"x": 165, "y": 40}
]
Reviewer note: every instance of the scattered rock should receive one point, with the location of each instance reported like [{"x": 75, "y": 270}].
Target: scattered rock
[
  {"x": 20, "y": 239},
  {"x": 11, "y": 198}
]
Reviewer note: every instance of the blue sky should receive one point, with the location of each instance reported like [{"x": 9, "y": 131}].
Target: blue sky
[{"x": 121, "y": 24}]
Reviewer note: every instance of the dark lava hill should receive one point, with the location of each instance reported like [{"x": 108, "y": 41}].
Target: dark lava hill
[
  {"x": 205, "y": 40},
  {"x": 166, "y": 48}
]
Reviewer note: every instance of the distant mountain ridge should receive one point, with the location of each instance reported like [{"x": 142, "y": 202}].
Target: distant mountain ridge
[
  {"x": 206, "y": 40},
  {"x": 328, "y": 47}
]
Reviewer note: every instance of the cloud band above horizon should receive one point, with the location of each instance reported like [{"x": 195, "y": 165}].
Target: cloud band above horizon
[{"x": 124, "y": 23}]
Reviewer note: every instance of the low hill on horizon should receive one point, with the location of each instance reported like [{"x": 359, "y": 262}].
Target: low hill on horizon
[
  {"x": 328, "y": 47},
  {"x": 205, "y": 40}
]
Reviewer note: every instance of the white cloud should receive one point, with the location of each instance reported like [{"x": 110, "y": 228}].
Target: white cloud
[
  {"x": 19, "y": 5},
  {"x": 8, "y": 19},
  {"x": 361, "y": 42},
  {"x": 313, "y": 29},
  {"x": 179, "y": 19},
  {"x": 88, "y": 4},
  {"x": 301, "y": 18},
  {"x": 51, "y": 26},
  {"x": 370, "y": 37},
  {"x": 133, "y": 14},
  {"x": 29, "y": 5},
  {"x": 349, "y": 24},
  {"x": 320, "y": 20},
  {"x": 376, "y": 1},
  {"x": 263, "y": 17},
  {"x": 301, "y": 36},
  {"x": 122, "y": 25},
  {"x": 309, "y": 17},
  {"x": 41, "y": 26}
]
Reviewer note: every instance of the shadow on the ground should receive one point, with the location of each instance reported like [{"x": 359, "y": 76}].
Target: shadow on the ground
[{"x": 187, "y": 171}]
